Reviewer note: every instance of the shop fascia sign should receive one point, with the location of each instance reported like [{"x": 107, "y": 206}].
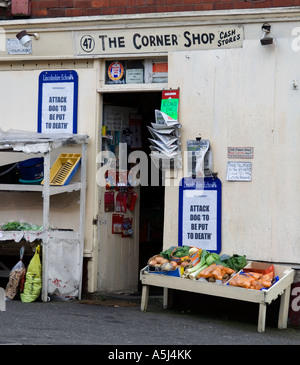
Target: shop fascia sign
[{"x": 157, "y": 40}]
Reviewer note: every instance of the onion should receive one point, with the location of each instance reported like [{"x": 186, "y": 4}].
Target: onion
[
  {"x": 167, "y": 266},
  {"x": 152, "y": 262},
  {"x": 184, "y": 264},
  {"x": 159, "y": 259},
  {"x": 174, "y": 263}
]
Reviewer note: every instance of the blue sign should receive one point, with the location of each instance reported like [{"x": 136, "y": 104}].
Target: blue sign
[
  {"x": 200, "y": 213},
  {"x": 58, "y": 100}
]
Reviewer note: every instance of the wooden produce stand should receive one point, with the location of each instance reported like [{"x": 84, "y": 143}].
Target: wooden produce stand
[
  {"x": 263, "y": 297},
  {"x": 38, "y": 143}
]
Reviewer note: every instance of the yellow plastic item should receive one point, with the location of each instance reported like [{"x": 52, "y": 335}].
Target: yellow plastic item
[
  {"x": 33, "y": 282},
  {"x": 64, "y": 168}
]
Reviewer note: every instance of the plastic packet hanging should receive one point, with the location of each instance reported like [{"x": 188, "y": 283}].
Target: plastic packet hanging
[
  {"x": 117, "y": 220},
  {"x": 33, "y": 282},
  {"x": 131, "y": 199},
  {"x": 15, "y": 277},
  {"x": 127, "y": 227},
  {"x": 121, "y": 202},
  {"x": 109, "y": 201}
]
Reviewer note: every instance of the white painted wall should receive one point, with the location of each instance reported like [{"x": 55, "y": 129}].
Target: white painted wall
[
  {"x": 244, "y": 97},
  {"x": 18, "y": 105},
  {"x": 235, "y": 97}
]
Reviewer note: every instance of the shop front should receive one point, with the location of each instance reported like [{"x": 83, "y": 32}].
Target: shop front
[{"x": 235, "y": 91}]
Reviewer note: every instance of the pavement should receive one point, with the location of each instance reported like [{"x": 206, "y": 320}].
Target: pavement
[{"x": 113, "y": 321}]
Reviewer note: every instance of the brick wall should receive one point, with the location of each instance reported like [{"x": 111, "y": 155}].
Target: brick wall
[{"x": 69, "y": 8}]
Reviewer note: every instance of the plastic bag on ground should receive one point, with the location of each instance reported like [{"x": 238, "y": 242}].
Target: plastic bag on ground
[
  {"x": 15, "y": 277},
  {"x": 33, "y": 282}
]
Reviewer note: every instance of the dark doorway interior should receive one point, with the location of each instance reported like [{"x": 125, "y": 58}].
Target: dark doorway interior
[{"x": 151, "y": 197}]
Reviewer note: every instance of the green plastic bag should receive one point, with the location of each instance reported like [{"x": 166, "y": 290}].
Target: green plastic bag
[{"x": 33, "y": 282}]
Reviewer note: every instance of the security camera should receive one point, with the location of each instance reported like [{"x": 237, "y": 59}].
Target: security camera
[
  {"x": 25, "y": 39},
  {"x": 266, "y": 39}
]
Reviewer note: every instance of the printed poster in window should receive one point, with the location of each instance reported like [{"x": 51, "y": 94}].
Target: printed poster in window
[
  {"x": 135, "y": 126},
  {"x": 115, "y": 72}
]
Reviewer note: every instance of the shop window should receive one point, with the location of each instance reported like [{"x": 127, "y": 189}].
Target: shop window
[{"x": 136, "y": 71}]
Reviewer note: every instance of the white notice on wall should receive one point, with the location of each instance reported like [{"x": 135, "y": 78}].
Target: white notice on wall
[
  {"x": 200, "y": 219},
  {"x": 57, "y": 106},
  {"x": 14, "y": 46},
  {"x": 57, "y": 110},
  {"x": 239, "y": 171}
]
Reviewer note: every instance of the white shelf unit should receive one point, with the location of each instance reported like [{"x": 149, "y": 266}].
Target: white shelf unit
[{"x": 33, "y": 143}]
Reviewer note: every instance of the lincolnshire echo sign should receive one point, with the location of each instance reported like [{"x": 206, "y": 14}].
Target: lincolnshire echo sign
[
  {"x": 57, "y": 102},
  {"x": 200, "y": 213},
  {"x": 157, "y": 40}
]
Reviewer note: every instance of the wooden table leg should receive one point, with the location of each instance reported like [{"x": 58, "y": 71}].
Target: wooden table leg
[
  {"x": 2, "y": 300},
  {"x": 284, "y": 308},
  {"x": 144, "y": 299},
  {"x": 165, "y": 298},
  {"x": 262, "y": 317}
]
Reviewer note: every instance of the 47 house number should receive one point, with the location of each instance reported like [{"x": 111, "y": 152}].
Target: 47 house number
[{"x": 87, "y": 43}]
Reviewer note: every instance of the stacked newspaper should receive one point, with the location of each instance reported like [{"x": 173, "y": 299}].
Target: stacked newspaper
[
  {"x": 165, "y": 141},
  {"x": 199, "y": 158}
]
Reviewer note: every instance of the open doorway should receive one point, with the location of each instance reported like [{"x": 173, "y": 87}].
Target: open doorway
[{"x": 151, "y": 198}]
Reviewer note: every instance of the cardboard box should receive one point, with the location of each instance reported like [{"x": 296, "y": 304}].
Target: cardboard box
[{"x": 259, "y": 267}]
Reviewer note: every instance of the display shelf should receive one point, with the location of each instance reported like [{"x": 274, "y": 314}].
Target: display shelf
[
  {"x": 39, "y": 143},
  {"x": 31, "y": 236},
  {"x": 17, "y": 236},
  {"x": 53, "y": 190},
  {"x": 263, "y": 297},
  {"x": 132, "y": 87}
]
